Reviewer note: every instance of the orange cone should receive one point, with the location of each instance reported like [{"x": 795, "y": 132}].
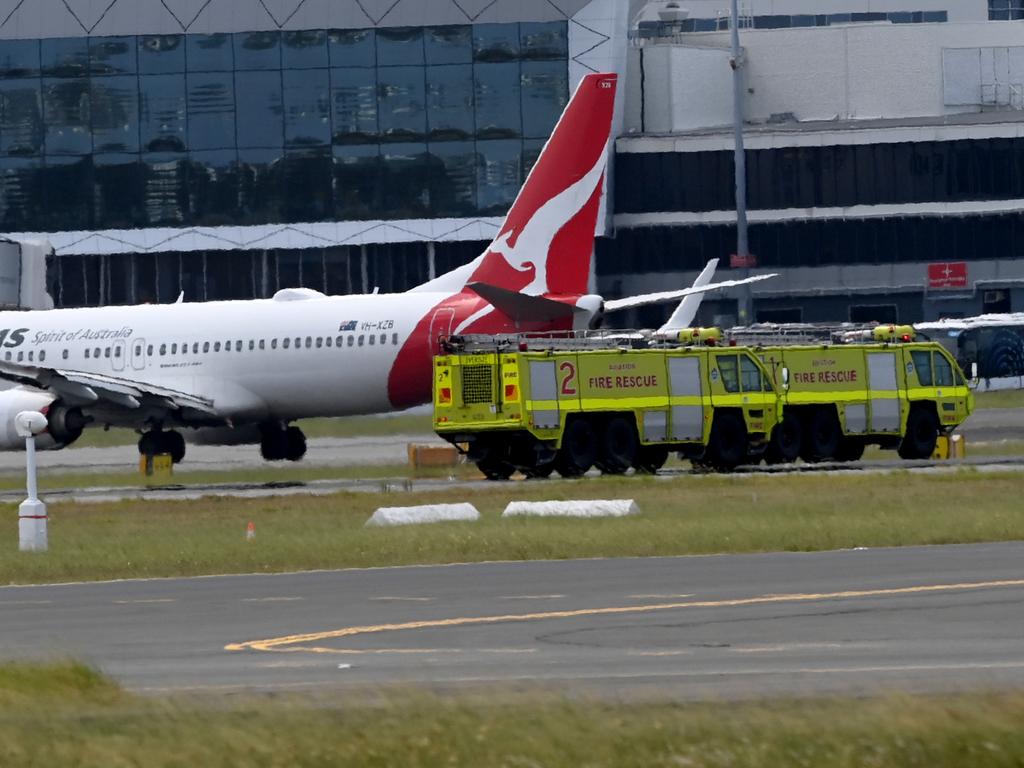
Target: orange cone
[{"x": 250, "y": 531}]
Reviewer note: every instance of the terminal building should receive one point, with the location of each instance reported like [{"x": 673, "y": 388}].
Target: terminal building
[{"x": 229, "y": 148}]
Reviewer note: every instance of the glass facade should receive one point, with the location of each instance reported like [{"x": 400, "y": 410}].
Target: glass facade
[
  {"x": 274, "y": 127},
  {"x": 1005, "y": 10},
  {"x": 829, "y": 176}
]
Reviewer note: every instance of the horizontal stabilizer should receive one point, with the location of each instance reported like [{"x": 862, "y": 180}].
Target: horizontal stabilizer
[
  {"x": 522, "y": 307},
  {"x": 657, "y": 298}
]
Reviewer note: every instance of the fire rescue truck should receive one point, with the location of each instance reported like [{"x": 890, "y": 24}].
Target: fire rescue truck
[{"x": 566, "y": 402}]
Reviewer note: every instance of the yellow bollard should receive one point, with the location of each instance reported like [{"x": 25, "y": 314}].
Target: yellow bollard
[
  {"x": 157, "y": 469},
  {"x": 941, "y": 451},
  {"x": 958, "y": 447}
]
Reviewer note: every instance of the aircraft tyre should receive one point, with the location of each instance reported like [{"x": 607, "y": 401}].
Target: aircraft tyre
[
  {"x": 579, "y": 449},
  {"x": 821, "y": 436},
  {"x": 727, "y": 448},
  {"x": 784, "y": 446},
  {"x": 295, "y": 444},
  {"x": 274, "y": 442},
  {"x": 156, "y": 442},
  {"x": 618, "y": 446},
  {"x": 921, "y": 436},
  {"x": 650, "y": 458}
]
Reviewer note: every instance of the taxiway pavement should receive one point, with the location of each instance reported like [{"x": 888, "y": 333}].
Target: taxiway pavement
[{"x": 925, "y": 618}]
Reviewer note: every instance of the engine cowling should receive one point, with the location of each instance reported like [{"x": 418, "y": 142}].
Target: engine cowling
[{"x": 64, "y": 423}]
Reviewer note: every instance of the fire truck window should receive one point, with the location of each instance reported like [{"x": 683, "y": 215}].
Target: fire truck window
[
  {"x": 727, "y": 366},
  {"x": 750, "y": 375},
  {"x": 923, "y": 364},
  {"x": 943, "y": 371}
]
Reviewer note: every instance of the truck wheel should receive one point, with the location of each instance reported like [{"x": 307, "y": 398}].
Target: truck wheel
[
  {"x": 650, "y": 458},
  {"x": 820, "y": 440},
  {"x": 784, "y": 447},
  {"x": 727, "y": 448},
  {"x": 922, "y": 434},
  {"x": 495, "y": 469},
  {"x": 579, "y": 449},
  {"x": 539, "y": 472},
  {"x": 618, "y": 446},
  {"x": 850, "y": 449}
]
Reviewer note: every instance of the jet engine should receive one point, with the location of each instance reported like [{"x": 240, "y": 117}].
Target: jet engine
[
  {"x": 64, "y": 423},
  {"x": 592, "y": 315}
]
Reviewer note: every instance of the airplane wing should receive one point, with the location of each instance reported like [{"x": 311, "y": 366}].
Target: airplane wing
[
  {"x": 629, "y": 302},
  {"x": 687, "y": 309},
  {"x": 91, "y": 388}
]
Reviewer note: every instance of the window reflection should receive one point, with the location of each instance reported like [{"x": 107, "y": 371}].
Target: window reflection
[
  {"x": 211, "y": 111},
  {"x": 19, "y": 58},
  {"x": 213, "y": 187},
  {"x": 118, "y": 193},
  {"x": 112, "y": 56},
  {"x": 545, "y": 94},
  {"x": 165, "y": 197},
  {"x": 453, "y": 179},
  {"x": 354, "y": 105},
  {"x": 543, "y": 41},
  {"x": 399, "y": 46},
  {"x": 259, "y": 185},
  {"x": 260, "y": 121},
  {"x": 307, "y": 107},
  {"x": 498, "y": 113},
  {"x": 65, "y": 56},
  {"x": 352, "y": 47},
  {"x": 68, "y": 185},
  {"x": 495, "y": 42},
  {"x": 162, "y": 113},
  {"x": 21, "y": 124},
  {"x": 305, "y": 49},
  {"x": 115, "y": 114},
  {"x": 498, "y": 173},
  {"x": 450, "y": 102},
  {"x": 161, "y": 54},
  {"x": 209, "y": 53},
  {"x": 401, "y": 97},
  {"x": 357, "y": 182},
  {"x": 66, "y": 115},
  {"x": 307, "y": 184},
  {"x": 406, "y": 188},
  {"x": 257, "y": 50},
  {"x": 23, "y": 192},
  {"x": 449, "y": 45}
]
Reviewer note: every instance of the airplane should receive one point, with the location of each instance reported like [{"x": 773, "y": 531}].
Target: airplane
[{"x": 243, "y": 371}]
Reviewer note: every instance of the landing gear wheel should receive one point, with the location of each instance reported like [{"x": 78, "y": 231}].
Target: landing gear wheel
[
  {"x": 922, "y": 434},
  {"x": 650, "y": 458},
  {"x": 274, "y": 442},
  {"x": 618, "y": 447},
  {"x": 727, "y": 448},
  {"x": 295, "y": 444},
  {"x": 149, "y": 444},
  {"x": 850, "y": 449},
  {"x": 579, "y": 449},
  {"x": 784, "y": 446},
  {"x": 821, "y": 438},
  {"x": 174, "y": 444}
]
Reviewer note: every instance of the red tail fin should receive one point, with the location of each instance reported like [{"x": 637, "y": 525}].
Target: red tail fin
[{"x": 546, "y": 241}]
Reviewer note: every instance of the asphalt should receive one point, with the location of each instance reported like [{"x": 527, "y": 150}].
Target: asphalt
[{"x": 850, "y": 622}]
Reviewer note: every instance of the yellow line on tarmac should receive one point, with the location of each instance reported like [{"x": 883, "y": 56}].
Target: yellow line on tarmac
[{"x": 287, "y": 644}]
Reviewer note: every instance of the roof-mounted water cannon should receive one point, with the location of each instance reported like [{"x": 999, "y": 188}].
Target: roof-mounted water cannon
[
  {"x": 893, "y": 334},
  {"x": 700, "y": 337}
]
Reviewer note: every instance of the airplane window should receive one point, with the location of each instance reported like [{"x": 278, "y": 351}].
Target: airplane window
[
  {"x": 319, "y": 342},
  {"x": 216, "y": 346},
  {"x": 328, "y": 341},
  {"x": 106, "y": 352},
  {"x": 64, "y": 354},
  {"x": 309, "y": 342},
  {"x": 86, "y": 355},
  {"x": 21, "y": 356},
  {"x": 174, "y": 349},
  {"x": 42, "y": 355},
  {"x": 117, "y": 351},
  {"x": 149, "y": 350},
  {"x": 195, "y": 348},
  {"x": 360, "y": 340},
  {"x": 206, "y": 346},
  {"x": 298, "y": 342},
  {"x": 30, "y": 356},
  {"x": 338, "y": 342},
  {"x": 8, "y": 355},
  {"x": 383, "y": 339},
  {"x": 351, "y": 340},
  {"x": 273, "y": 343},
  {"x": 373, "y": 339},
  {"x": 138, "y": 351},
  {"x": 96, "y": 352},
  {"x": 163, "y": 350},
  {"x": 263, "y": 344},
  {"x": 238, "y": 346},
  {"x": 394, "y": 339},
  {"x": 252, "y": 345},
  {"x": 286, "y": 343}
]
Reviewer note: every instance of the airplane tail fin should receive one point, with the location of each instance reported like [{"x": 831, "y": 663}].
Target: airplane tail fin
[{"x": 547, "y": 239}]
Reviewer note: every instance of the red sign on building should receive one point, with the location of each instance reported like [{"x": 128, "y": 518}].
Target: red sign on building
[
  {"x": 747, "y": 261},
  {"x": 947, "y": 274}
]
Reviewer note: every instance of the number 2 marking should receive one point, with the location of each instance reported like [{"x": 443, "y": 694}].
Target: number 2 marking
[{"x": 568, "y": 378}]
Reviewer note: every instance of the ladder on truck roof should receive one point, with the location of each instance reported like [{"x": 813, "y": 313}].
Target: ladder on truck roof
[
  {"x": 548, "y": 340},
  {"x": 789, "y": 334}
]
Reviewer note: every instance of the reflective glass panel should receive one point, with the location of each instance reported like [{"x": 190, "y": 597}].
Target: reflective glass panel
[
  {"x": 115, "y": 113},
  {"x": 399, "y": 46},
  {"x": 209, "y": 53},
  {"x": 307, "y": 182},
  {"x": 307, "y": 107},
  {"x": 354, "y": 105},
  {"x": 401, "y": 99},
  {"x": 357, "y": 181},
  {"x": 452, "y": 179},
  {"x": 23, "y": 200},
  {"x": 450, "y": 102},
  {"x": 161, "y": 54},
  {"x": 162, "y": 113},
  {"x": 112, "y": 56},
  {"x": 306, "y": 49},
  {"x": 21, "y": 123},
  {"x": 257, "y": 50},
  {"x": 495, "y": 42},
  {"x": 213, "y": 187},
  {"x": 211, "y": 110},
  {"x": 66, "y": 116},
  {"x": 545, "y": 94},
  {"x": 118, "y": 196},
  {"x": 352, "y": 47},
  {"x": 165, "y": 191},
  {"x": 65, "y": 56},
  {"x": 544, "y": 40},
  {"x": 19, "y": 58},
  {"x": 449, "y": 45},
  {"x": 406, "y": 184},
  {"x": 260, "y": 121},
  {"x": 69, "y": 190},
  {"x": 260, "y": 185},
  {"x": 498, "y": 111},
  {"x": 498, "y": 175}
]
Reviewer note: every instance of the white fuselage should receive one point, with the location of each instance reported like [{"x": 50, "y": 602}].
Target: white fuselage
[{"x": 262, "y": 359}]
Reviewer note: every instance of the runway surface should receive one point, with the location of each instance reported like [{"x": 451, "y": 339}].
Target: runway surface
[{"x": 929, "y": 618}]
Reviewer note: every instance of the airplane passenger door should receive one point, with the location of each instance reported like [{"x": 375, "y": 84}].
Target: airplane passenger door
[
  {"x": 440, "y": 325},
  {"x": 885, "y": 398},
  {"x": 118, "y": 353},
  {"x": 138, "y": 352}
]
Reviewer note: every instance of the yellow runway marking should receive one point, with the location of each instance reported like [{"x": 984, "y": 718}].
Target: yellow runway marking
[{"x": 288, "y": 643}]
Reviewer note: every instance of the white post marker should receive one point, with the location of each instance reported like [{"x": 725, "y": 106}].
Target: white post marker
[{"x": 32, "y": 512}]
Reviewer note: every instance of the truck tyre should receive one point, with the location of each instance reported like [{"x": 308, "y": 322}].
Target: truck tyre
[
  {"x": 821, "y": 437},
  {"x": 539, "y": 472},
  {"x": 579, "y": 449},
  {"x": 494, "y": 464},
  {"x": 618, "y": 446},
  {"x": 850, "y": 449},
  {"x": 784, "y": 446},
  {"x": 650, "y": 458},
  {"x": 921, "y": 436},
  {"x": 727, "y": 448}
]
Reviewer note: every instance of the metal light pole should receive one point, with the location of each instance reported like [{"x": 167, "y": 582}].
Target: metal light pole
[
  {"x": 742, "y": 247},
  {"x": 32, "y": 518}
]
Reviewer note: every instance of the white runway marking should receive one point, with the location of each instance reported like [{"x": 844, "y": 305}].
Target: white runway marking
[
  {"x": 659, "y": 597},
  {"x": 531, "y": 597},
  {"x": 271, "y": 599},
  {"x": 389, "y": 599},
  {"x": 27, "y": 602},
  {"x": 147, "y": 602}
]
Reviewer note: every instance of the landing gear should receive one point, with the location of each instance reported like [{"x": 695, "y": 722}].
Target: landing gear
[
  {"x": 280, "y": 443},
  {"x": 156, "y": 441}
]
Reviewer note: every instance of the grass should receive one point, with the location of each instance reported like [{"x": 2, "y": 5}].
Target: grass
[
  {"x": 1006, "y": 398},
  {"x": 94, "y": 725},
  {"x": 680, "y": 515}
]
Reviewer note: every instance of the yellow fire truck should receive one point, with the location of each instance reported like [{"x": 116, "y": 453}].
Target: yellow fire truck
[{"x": 540, "y": 403}]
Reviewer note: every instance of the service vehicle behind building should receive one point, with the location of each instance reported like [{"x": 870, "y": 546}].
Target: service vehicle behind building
[{"x": 540, "y": 403}]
